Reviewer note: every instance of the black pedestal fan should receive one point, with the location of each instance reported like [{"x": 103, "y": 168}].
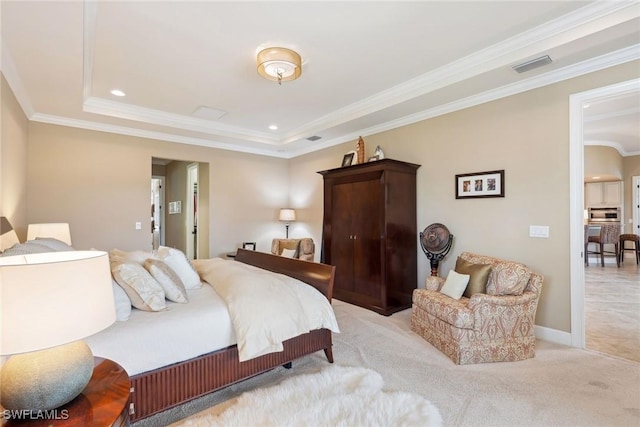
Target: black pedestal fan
[{"x": 436, "y": 242}]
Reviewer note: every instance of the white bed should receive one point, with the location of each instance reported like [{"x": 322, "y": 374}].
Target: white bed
[{"x": 150, "y": 340}]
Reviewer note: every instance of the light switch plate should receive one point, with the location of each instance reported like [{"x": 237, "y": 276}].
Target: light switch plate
[
  {"x": 539, "y": 231},
  {"x": 138, "y": 226}
]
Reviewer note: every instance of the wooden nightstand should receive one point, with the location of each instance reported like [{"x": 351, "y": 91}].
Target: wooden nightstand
[{"x": 104, "y": 402}]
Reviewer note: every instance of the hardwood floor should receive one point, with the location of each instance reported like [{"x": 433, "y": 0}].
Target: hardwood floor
[{"x": 612, "y": 309}]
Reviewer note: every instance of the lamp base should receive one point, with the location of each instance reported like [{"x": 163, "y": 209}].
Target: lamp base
[{"x": 45, "y": 379}]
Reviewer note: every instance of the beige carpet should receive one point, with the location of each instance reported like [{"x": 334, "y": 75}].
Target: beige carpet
[{"x": 561, "y": 386}]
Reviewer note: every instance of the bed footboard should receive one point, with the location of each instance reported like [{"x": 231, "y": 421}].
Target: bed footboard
[{"x": 164, "y": 388}]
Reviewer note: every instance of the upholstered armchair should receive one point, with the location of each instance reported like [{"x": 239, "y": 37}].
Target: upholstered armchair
[
  {"x": 493, "y": 323},
  {"x": 303, "y": 249}
]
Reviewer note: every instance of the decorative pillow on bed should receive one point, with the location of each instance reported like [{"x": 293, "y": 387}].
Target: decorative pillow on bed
[
  {"x": 123, "y": 303},
  {"x": 135, "y": 256},
  {"x": 179, "y": 263},
  {"x": 54, "y": 244},
  {"x": 173, "y": 287},
  {"x": 143, "y": 290},
  {"x": 26, "y": 248}
]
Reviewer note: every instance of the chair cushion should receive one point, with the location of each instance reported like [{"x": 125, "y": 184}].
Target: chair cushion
[
  {"x": 506, "y": 277},
  {"x": 455, "y": 284},
  {"x": 479, "y": 275}
]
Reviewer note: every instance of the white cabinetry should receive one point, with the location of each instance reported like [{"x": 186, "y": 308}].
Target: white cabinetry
[{"x": 603, "y": 193}]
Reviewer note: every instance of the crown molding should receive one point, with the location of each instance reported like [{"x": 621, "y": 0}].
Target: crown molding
[
  {"x": 162, "y": 118},
  {"x": 519, "y": 47},
  {"x": 568, "y": 27},
  {"x": 605, "y": 61},
  {"x": 612, "y": 144},
  {"x": 141, "y": 133}
]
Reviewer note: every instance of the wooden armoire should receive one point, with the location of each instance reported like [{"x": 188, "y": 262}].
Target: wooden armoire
[{"x": 370, "y": 233}]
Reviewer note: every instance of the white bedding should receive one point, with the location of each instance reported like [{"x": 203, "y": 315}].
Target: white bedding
[
  {"x": 150, "y": 340},
  {"x": 293, "y": 308}
]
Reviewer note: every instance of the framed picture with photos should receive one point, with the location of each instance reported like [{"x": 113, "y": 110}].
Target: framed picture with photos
[{"x": 480, "y": 184}]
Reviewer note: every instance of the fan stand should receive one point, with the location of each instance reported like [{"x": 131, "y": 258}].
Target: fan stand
[{"x": 435, "y": 258}]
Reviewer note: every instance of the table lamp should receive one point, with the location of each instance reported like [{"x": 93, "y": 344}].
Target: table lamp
[
  {"x": 287, "y": 215},
  {"x": 48, "y": 303},
  {"x": 58, "y": 231},
  {"x": 8, "y": 236}
]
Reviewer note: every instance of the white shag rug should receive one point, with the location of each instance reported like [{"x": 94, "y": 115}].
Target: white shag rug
[{"x": 335, "y": 396}]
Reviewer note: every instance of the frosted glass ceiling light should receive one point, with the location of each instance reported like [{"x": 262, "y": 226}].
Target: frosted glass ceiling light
[{"x": 279, "y": 64}]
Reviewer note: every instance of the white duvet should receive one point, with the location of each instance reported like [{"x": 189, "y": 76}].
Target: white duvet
[{"x": 266, "y": 308}]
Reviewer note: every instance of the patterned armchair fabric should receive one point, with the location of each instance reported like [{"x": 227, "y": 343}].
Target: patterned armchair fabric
[
  {"x": 305, "y": 248},
  {"x": 483, "y": 328}
]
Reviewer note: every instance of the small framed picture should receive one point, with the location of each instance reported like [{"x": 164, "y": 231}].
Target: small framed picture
[
  {"x": 251, "y": 246},
  {"x": 347, "y": 160},
  {"x": 480, "y": 184}
]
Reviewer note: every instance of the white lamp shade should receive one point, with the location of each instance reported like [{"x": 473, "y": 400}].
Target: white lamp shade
[
  {"x": 287, "y": 215},
  {"x": 54, "y": 298},
  {"x": 58, "y": 231}
]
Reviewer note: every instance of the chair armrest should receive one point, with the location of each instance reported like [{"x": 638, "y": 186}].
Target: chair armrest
[{"x": 433, "y": 283}]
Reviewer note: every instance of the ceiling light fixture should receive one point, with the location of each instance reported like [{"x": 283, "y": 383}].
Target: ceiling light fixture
[
  {"x": 117, "y": 92},
  {"x": 273, "y": 127},
  {"x": 279, "y": 64}
]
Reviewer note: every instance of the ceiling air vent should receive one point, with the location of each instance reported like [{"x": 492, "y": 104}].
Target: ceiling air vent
[
  {"x": 314, "y": 138},
  {"x": 534, "y": 63}
]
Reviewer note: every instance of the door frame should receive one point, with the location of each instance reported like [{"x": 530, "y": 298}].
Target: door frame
[
  {"x": 577, "y": 102},
  {"x": 191, "y": 246}
]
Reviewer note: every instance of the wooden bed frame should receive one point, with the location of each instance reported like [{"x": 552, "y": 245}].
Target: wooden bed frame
[{"x": 169, "y": 386}]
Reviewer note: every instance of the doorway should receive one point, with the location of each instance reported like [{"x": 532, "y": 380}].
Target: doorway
[
  {"x": 157, "y": 212},
  {"x": 576, "y": 165},
  {"x": 182, "y": 217}
]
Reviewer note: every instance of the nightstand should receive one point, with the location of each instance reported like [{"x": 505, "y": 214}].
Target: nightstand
[{"x": 104, "y": 402}]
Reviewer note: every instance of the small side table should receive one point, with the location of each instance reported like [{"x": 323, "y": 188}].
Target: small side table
[{"x": 104, "y": 402}]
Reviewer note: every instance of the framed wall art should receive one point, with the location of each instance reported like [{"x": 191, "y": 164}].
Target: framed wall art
[
  {"x": 480, "y": 184},
  {"x": 347, "y": 160}
]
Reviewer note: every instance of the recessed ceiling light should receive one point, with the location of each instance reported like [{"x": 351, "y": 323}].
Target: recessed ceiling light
[
  {"x": 586, "y": 106},
  {"x": 273, "y": 127},
  {"x": 117, "y": 92}
]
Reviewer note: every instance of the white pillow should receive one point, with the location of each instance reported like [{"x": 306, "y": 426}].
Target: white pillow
[
  {"x": 143, "y": 290},
  {"x": 123, "y": 303},
  {"x": 173, "y": 287},
  {"x": 179, "y": 263},
  {"x": 455, "y": 284},
  {"x": 288, "y": 253}
]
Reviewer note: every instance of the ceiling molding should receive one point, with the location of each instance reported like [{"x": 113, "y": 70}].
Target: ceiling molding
[
  {"x": 504, "y": 53},
  {"x": 591, "y": 65},
  {"x": 516, "y": 48},
  {"x": 612, "y": 115},
  {"x": 611, "y": 144},
  {"x": 605, "y": 61},
  {"x": 141, "y": 133},
  {"x": 90, "y": 12},
  {"x": 147, "y": 115}
]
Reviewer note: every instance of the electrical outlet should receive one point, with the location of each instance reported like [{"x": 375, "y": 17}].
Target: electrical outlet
[{"x": 138, "y": 226}]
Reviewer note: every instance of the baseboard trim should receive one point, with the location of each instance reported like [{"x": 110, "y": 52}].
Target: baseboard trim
[{"x": 553, "y": 335}]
